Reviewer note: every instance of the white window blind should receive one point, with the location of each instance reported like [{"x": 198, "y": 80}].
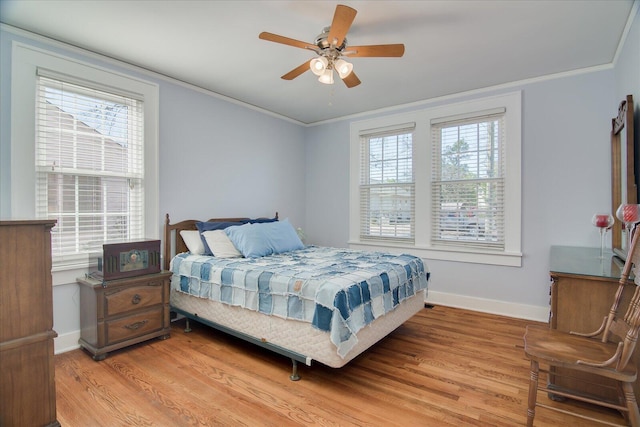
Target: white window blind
[
  {"x": 468, "y": 181},
  {"x": 387, "y": 187},
  {"x": 89, "y": 165}
]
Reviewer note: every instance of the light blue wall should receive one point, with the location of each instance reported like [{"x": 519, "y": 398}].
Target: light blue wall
[
  {"x": 236, "y": 160},
  {"x": 217, "y": 158},
  {"x": 565, "y": 180},
  {"x": 628, "y": 81},
  {"x": 565, "y": 176},
  {"x": 628, "y": 67},
  {"x": 240, "y": 161}
]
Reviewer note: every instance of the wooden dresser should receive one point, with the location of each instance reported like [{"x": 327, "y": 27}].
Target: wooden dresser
[
  {"x": 27, "y": 382},
  {"x": 582, "y": 290},
  {"x": 118, "y": 313}
]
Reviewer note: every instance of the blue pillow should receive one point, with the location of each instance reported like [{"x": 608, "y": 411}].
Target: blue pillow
[
  {"x": 255, "y": 240},
  {"x": 207, "y": 226},
  {"x": 262, "y": 220}
]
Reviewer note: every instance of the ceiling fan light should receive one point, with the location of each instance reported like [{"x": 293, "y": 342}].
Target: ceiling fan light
[
  {"x": 319, "y": 65},
  {"x": 326, "y": 77},
  {"x": 343, "y": 68}
]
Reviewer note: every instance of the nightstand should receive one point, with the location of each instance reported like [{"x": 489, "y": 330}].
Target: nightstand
[{"x": 119, "y": 313}]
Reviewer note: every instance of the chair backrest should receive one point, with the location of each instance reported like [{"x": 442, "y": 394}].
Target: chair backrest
[{"x": 626, "y": 329}]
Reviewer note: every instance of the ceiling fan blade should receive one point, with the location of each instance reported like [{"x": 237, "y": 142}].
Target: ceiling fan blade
[
  {"x": 284, "y": 40},
  {"x": 297, "y": 71},
  {"x": 342, "y": 20},
  {"x": 382, "y": 50},
  {"x": 351, "y": 80}
]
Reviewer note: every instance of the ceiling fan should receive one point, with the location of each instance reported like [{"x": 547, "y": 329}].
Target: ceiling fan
[{"x": 331, "y": 46}]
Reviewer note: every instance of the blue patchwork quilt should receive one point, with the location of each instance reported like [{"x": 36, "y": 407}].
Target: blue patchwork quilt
[{"x": 337, "y": 290}]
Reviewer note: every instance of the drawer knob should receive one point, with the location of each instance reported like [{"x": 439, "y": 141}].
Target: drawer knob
[
  {"x": 136, "y": 299},
  {"x": 136, "y": 325}
]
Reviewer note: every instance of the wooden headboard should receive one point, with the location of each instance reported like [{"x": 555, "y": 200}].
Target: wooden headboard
[{"x": 173, "y": 243}]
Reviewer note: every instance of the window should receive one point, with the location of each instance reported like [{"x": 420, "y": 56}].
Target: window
[
  {"x": 89, "y": 165},
  {"x": 84, "y": 150},
  {"x": 467, "y": 184},
  {"x": 446, "y": 186},
  {"x": 387, "y": 186}
]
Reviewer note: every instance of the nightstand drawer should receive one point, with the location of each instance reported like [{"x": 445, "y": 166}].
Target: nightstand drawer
[
  {"x": 133, "y": 326},
  {"x": 133, "y": 298}
]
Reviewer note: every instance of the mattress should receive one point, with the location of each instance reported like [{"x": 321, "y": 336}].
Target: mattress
[
  {"x": 295, "y": 335},
  {"x": 336, "y": 290}
]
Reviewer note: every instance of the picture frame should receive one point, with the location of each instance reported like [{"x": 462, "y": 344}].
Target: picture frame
[{"x": 623, "y": 181}]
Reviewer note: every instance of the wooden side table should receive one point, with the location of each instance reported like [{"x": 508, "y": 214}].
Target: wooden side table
[
  {"x": 582, "y": 290},
  {"x": 119, "y": 313}
]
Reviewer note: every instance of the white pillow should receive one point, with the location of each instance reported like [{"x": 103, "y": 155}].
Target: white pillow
[
  {"x": 193, "y": 241},
  {"x": 220, "y": 244}
]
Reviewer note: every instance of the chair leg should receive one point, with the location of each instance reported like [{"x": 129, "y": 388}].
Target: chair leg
[
  {"x": 533, "y": 392},
  {"x": 632, "y": 405}
]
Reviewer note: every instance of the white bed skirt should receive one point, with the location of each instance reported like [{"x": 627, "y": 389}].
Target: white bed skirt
[{"x": 294, "y": 335}]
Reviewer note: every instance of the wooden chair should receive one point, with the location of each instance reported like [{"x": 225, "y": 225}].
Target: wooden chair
[{"x": 605, "y": 352}]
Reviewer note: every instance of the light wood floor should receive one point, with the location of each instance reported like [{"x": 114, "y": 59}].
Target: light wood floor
[{"x": 444, "y": 367}]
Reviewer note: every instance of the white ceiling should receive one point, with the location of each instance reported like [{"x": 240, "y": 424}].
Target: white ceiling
[{"x": 450, "y": 46}]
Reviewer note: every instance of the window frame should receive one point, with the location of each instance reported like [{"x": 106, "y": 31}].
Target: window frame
[
  {"x": 26, "y": 60},
  {"x": 511, "y": 255}
]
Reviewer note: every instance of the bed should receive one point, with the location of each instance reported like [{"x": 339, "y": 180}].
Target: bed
[{"x": 305, "y": 302}]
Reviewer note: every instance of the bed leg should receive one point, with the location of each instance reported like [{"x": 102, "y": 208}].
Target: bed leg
[
  {"x": 294, "y": 373},
  {"x": 187, "y": 327}
]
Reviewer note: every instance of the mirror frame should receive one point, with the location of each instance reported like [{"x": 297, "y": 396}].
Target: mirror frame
[{"x": 623, "y": 180}]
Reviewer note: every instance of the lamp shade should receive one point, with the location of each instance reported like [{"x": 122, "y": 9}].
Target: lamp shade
[
  {"x": 343, "y": 68},
  {"x": 319, "y": 65},
  {"x": 326, "y": 77}
]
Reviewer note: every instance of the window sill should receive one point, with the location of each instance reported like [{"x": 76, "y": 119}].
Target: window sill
[{"x": 474, "y": 256}]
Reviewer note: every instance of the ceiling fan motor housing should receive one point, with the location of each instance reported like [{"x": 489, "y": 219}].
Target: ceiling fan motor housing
[{"x": 323, "y": 43}]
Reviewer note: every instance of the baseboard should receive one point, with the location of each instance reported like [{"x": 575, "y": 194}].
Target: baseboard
[
  {"x": 502, "y": 308},
  {"x": 66, "y": 342}
]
